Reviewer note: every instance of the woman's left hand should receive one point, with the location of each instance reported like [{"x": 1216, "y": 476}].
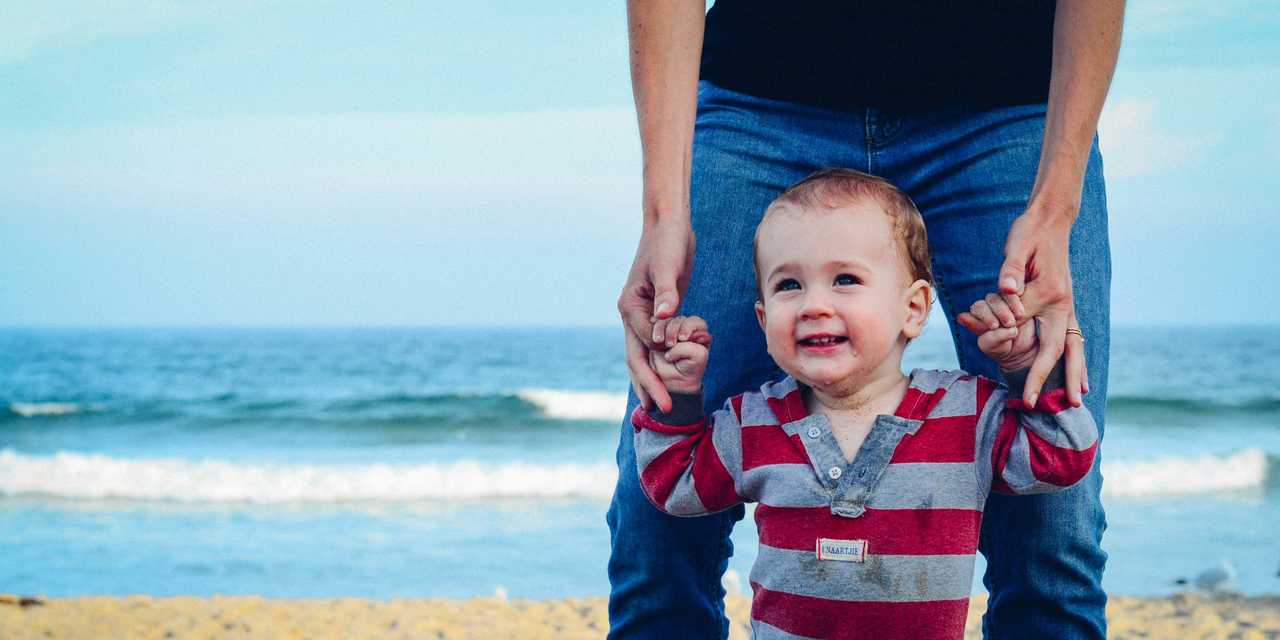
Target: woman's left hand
[{"x": 1037, "y": 268}]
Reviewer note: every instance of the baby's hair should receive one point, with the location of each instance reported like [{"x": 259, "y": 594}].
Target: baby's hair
[{"x": 831, "y": 189}]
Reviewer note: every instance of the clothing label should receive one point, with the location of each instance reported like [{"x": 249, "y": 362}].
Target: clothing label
[{"x": 842, "y": 550}]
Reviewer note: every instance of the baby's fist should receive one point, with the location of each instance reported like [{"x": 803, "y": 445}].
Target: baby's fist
[
  {"x": 683, "y": 360},
  {"x": 1011, "y": 344}
]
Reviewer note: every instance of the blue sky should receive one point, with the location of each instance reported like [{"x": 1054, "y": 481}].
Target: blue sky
[{"x": 284, "y": 163}]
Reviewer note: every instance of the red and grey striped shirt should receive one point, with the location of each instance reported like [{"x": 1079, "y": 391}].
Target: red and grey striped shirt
[{"x": 882, "y": 547}]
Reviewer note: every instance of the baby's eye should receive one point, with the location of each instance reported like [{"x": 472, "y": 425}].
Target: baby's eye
[
  {"x": 786, "y": 285},
  {"x": 846, "y": 279}
]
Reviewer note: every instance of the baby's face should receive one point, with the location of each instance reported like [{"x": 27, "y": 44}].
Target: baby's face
[{"x": 836, "y": 308}]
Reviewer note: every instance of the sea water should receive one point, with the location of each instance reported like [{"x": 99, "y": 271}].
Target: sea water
[{"x": 445, "y": 462}]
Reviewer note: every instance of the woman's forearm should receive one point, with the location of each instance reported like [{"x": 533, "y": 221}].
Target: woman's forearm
[
  {"x": 666, "y": 44},
  {"x": 1086, "y": 42}
]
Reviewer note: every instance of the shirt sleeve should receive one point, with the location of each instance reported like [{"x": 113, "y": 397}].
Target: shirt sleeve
[
  {"x": 680, "y": 456},
  {"x": 1039, "y": 449}
]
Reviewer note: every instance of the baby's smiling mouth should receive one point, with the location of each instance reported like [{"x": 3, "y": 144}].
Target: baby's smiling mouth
[{"x": 822, "y": 340}]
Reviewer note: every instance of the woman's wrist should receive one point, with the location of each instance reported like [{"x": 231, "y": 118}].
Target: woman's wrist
[
  {"x": 662, "y": 209},
  {"x": 1054, "y": 207},
  {"x": 1055, "y": 197},
  {"x": 666, "y": 187}
]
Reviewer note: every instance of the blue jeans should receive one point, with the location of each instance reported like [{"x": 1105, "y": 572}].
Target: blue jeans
[{"x": 970, "y": 171}]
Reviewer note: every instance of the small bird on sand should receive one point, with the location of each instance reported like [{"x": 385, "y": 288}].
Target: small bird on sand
[
  {"x": 732, "y": 583},
  {"x": 1214, "y": 580}
]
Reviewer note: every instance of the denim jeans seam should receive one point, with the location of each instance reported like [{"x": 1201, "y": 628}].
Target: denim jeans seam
[{"x": 866, "y": 138}]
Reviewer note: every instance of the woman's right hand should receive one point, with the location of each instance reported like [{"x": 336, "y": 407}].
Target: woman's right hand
[{"x": 657, "y": 281}]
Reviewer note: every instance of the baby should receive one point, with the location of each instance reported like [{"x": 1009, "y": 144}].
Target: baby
[{"x": 870, "y": 483}]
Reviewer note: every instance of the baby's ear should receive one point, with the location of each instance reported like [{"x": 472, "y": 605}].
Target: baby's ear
[
  {"x": 760, "y": 314},
  {"x": 918, "y": 297}
]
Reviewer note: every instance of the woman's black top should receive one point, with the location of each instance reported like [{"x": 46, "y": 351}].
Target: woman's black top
[{"x": 893, "y": 54}]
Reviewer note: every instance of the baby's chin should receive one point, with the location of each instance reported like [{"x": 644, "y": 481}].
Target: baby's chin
[
  {"x": 827, "y": 377},
  {"x": 827, "y": 382}
]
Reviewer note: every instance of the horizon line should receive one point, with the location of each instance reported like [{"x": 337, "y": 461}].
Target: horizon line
[{"x": 320, "y": 326}]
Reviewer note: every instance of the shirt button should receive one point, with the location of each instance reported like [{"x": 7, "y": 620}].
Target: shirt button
[
  {"x": 835, "y": 473},
  {"x": 814, "y": 432}
]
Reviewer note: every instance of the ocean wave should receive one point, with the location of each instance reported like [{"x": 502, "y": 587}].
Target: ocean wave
[
  {"x": 577, "y": 405},
  {"x": 1247, "y": 469},
  {"x": 1148, "y": 404},
  {"x": 555, "y": 404},
  {"x": 396, "y": 400},
  {"x": 452, "y": 409},
  {"x": 35, "y": 409},
  {"x": 521, "y": 407},
  {"x": 91, "y": 477}
]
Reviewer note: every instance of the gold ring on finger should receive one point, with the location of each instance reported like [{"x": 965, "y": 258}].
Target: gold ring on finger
[{"x": 1078, "y": 333}]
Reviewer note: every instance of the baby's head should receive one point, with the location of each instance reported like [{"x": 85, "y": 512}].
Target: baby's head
[{"x": 844, "y": 279}]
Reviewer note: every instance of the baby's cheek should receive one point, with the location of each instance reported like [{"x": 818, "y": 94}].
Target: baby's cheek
[{"x": 776, "y": 353}]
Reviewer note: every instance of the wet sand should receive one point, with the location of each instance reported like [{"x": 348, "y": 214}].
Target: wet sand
[{"x": 1181, "y": 616}]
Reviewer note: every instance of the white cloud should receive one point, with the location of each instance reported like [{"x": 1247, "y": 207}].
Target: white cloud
[
  {"x": 29, "y": 27},
  {"x": 1168, "y": 16},
  {"x": 1133, "y": 145}
]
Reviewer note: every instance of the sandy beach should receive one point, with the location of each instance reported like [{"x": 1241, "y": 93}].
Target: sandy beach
[{"x": 1181, "y": 616}]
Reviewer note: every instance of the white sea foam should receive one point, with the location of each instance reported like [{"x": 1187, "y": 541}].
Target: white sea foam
[
  {"x": 87, "y": 477},
  {"x": 577, "y": 405},
  {"x": 1246, "y": 469},
  {"x": 32, "y": 409}
]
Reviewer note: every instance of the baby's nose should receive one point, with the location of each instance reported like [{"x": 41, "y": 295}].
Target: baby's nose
[{"x": 816, "y": 305}]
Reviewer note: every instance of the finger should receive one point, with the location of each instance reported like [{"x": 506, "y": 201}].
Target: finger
[
  {"x": 1013, "y": 273},
  {"x": 1084, "y": 368},
  {"x": 636, "y": 330},
  {"x": 636, "y": 308},
  {"x": 640, "y": 394},
  {"x": 685, "y": 329},
  {"x": 1078, "y": 343},
  {"x": 648, "y": 386},
  {"x": 698, "y": 331},
  {"x": 685, "y": 351},
  {"x": 687, "y": 358},
  {"x": 672, "y": 330},
  {"x": 982, "y": 311},
  {"x": 660, "y": 331},
  {"x": 1001, "y": 309},
  {"x": 666, "y": 297},
  {"x": 692, "y": 325},
  {"x": 1053, "y": 329},
  {"x": 1084, "y": 358},
  {"x": 1025, "y": 340},
  {"x": 971, "y": 323},
  {"x": 1074, "y": 365},
  {"x": 997, "y": 342},
  {"x": 1015, "y": 305}
]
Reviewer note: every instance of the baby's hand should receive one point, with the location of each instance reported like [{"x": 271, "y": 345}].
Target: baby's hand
[
  {"x": 681, "y": 364},
  {"x": 1013, "y": 346}
]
